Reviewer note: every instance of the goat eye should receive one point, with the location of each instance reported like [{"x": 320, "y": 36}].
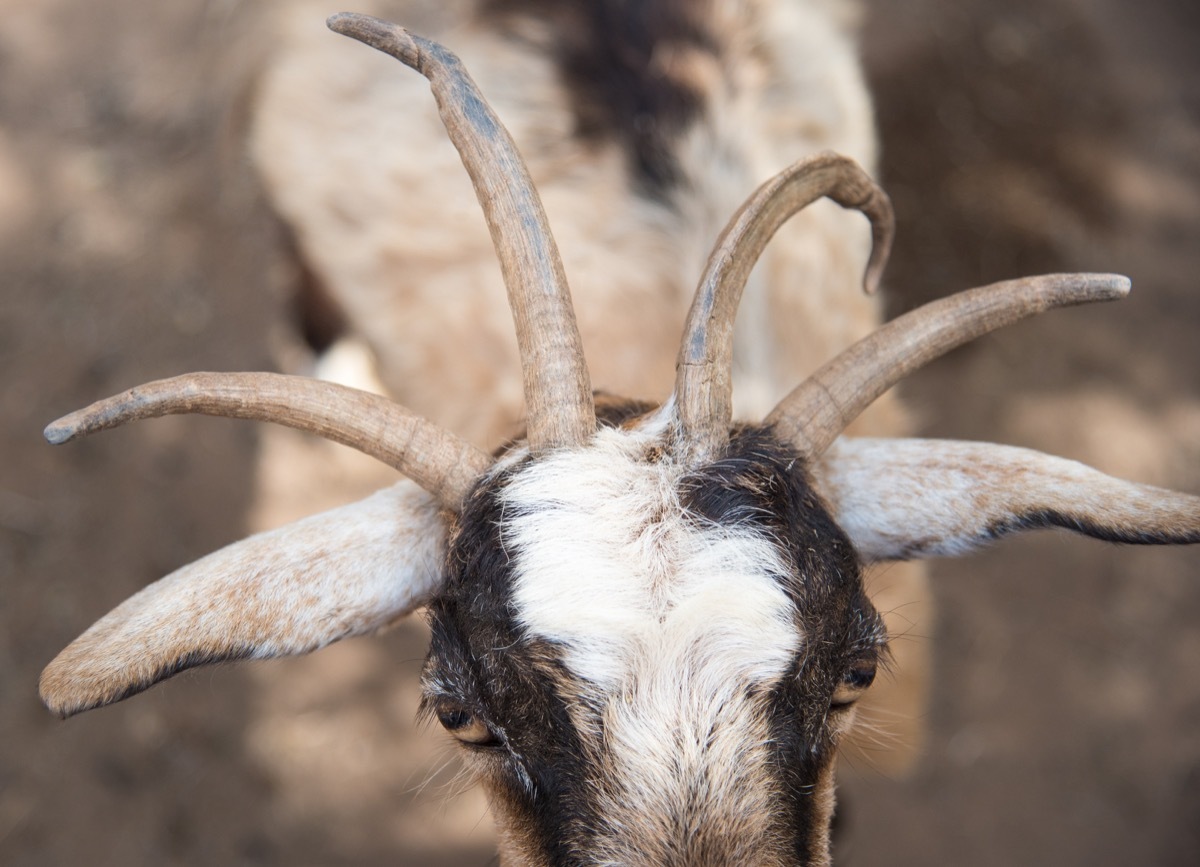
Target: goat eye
[
  {"x": 854, "y": 683},
  {"x": 467, "y": 727}
]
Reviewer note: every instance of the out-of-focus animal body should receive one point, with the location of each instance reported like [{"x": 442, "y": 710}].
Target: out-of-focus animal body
[{"x": 357, "y": 162}]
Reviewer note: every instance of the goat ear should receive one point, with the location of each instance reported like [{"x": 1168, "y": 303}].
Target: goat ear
[
  {"x": 345, "y": 572},
  {"x": 904, "y": 499}
]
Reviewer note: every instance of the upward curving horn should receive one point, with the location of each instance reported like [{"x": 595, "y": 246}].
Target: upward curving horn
[
  {"x": 558, "y": 392},
  {"x": 703, "y": 387},
  {"x": 821, "y": 407},
  {"x": 435, "y": 459}
]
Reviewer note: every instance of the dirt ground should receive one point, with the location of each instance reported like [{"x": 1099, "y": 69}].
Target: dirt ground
[{"x": 1018, "y": 137}]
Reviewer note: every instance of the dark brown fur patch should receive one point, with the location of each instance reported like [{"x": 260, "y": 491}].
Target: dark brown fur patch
[
  {"x": 762, "y": 482},
  {"x": 1041, "y": 519},
  {"x": 614, "y": 411},
  {"x": 605, "y": 51},
  {"x": 480, "y": 658}
]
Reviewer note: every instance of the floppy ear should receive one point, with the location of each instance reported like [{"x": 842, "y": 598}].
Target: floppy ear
[
  {"x": 292, "y": 590},
  {"x": 901, "y": 499}
]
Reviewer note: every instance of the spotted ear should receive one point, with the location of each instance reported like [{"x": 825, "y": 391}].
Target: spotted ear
[
  {"x": 903, "y": 499},
  {"x": 292, "y": 590}
]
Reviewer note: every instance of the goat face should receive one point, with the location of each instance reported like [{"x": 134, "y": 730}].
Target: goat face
[
  {"x": 649, "y": 663},
  {"x": 648, "y": 629}
]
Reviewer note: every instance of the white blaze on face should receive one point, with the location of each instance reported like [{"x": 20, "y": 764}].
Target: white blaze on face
[{"x": 676, "y": 627}]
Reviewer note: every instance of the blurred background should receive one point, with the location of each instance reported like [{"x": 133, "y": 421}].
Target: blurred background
[{"x": 1019, "y": 137}]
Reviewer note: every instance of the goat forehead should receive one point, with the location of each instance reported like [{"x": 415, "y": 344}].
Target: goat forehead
[
  {"x": 611, "y": 566},
  {"x": 639, "y": 633},
  {"x": 677, "y": 628}
]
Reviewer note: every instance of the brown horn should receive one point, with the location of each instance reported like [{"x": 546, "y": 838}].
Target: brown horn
[
  {"x": 703, "y": 387},
  {"x": 821, "y": 407},
  {"x": 558, "y": 391},
  {"x": 435, "y": 459}
]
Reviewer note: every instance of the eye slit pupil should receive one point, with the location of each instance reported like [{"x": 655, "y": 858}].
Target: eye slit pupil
[
  {"x": 860, "y": 677},
  {"x": 854, "y": 683},
  {"x": 467, "y": 727},
  {"x": 455, "y": 720}
]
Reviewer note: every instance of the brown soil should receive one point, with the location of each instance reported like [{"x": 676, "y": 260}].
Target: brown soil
[{"x": 1030, "y": 136}]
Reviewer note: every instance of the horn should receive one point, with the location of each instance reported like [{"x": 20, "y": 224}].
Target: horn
[
  {"x": 435, "y": 459},
  {"x": 822, "y": 406},
  {"x": 558, "y": 392},
  {"x": 703, "y": 386}
]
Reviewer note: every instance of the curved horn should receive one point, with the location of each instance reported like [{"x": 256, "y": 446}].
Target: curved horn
[
  {"x": 703, "y": 386},
  {"x": 558, "y": 392},
  {"x": 435, "y": 459},
  {"x": 821, "y": 407}
]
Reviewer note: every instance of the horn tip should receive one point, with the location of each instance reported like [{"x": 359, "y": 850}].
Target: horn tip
[
  {"x": 62, "y": 430},
  {"x": 342, "y": 22},
  {"x": 381, "y": 35},
  {"x": 1117, "y": 285},
  {"x": 871, "y": 280},
  {"x": 1100, "y": 287},
  {"x": 364, "y": 28}
]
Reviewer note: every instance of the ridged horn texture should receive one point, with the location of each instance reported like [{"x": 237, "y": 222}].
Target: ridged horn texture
[
  {"x": 437, "y": 460},
  {"x": 703, "y": 384},
  {"x": 821, "y": 407},
  {"x": 558, "y": 393}
]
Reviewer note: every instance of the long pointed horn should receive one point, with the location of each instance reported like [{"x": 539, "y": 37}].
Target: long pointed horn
[
  {"x": 821, "y": 407},
  {"x": 703, "y": 386},
  {"x": 558, "y": 391},
  {"x": 435, "y": 459}
]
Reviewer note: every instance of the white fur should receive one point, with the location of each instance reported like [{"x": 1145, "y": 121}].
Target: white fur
[
  {"x": 677, "y": 628},
  {"x": 610, "y": 565}
]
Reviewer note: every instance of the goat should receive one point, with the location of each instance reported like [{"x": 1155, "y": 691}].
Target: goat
[
  {"x": 629, "y": 710},
  {"x": 644, "y": 126}
]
